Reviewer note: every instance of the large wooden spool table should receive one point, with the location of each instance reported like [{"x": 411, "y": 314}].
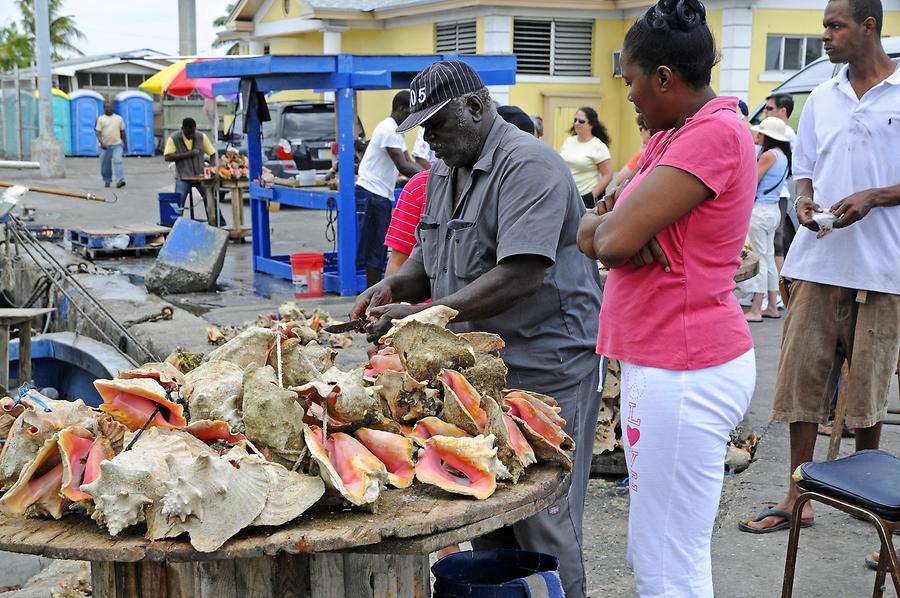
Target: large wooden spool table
[{"x": 325, "y": 553}]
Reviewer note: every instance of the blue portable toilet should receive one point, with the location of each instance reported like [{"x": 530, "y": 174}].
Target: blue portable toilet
[
  {"x": 59, "y": 103},
  {"x": 85, "y": 106},
  {"x": 136, "y": 109}
]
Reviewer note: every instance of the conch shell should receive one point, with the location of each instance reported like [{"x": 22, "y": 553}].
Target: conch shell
[
  {"x": 347, "y": 466},
  {"x": 210, "y": 431},
  {"x": 436, "y": 315},
  {"x": 539, "y": 423},
  {"x": 466, "y": 466},
  {"x": 272, "y": 415},
  {"x": 301, "y": 364},
  {"x": 81, "y": 455},
  {"x": 215, "y": 390},
  {"x": 132, "y": 402},
  {"x": 484, "y": 342},
  {"x": 250, "y": 346},
  {"x": 488, "y": 375},
  {"x": 347, "y": 398},
  {"x": 426, "y": 349},
  {"x": 385, "y": 360},
  {"x": 394, "y": 450},
  {"x": 9, "y": 411},
  {"x": 211, "y": 499},
  {"x": 289, "y": 493},
  {"x": 34, "y": 426},
  {"x": 405, "y": 399},
  {"x": 431, "y": 426},
  {"x": 507, "y": 450},
  {"x": 165, "y": 373},
  {"x": 462, "y": 403},
  {"x": 130, "y": 487},
  {"x": 36, "y": 493}
]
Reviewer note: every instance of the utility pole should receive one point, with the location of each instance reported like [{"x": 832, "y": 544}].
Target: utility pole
[
  {"x": 45, "y": 149},
  {"x": 187, "y": 27}
]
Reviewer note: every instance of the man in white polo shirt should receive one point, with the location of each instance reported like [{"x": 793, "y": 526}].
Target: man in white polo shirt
[
  {"x": 845, "y": 299},
  {"x": 385, "y": 156}
]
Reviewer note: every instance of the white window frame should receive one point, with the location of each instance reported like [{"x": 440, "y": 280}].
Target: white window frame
[
  {"x": 552, "y": 51},
  {"x": 780, "y": 67}
]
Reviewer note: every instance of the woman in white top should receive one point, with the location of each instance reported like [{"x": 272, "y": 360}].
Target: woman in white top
[
  {"x": 586, "y": 154},
  {"x": 773, "y": 168}
]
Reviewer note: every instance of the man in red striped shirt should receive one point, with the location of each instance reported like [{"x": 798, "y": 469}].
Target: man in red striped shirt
[{"x": 401, "y": 235}]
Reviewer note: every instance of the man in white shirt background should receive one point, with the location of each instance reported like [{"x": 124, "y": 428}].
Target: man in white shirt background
[
  {"x": 110, "y": 130},
  {"x": 385, "y": 156},
  {"x": 845, "y": 298},
  {"x": 422, "y": 152}
]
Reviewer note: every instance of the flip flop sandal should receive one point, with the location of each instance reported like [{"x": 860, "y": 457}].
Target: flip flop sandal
[{"x": 772, "y": 512}]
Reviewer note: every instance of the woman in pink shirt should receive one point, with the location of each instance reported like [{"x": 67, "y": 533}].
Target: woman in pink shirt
[{"x": 672, "y": 239}]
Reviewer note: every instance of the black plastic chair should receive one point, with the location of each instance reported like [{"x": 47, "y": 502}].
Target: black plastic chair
[{"x": 866, "y": 485}]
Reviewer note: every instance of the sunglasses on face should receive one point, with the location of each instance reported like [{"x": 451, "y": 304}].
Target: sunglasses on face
[
  {"x": 580, "y": 121},
  {"x": 769, "y": 108}
]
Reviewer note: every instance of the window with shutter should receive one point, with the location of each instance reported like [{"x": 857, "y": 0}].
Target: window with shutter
[
  {"x": 455, "y": 38},
  {"x": 553, "y": 47}
]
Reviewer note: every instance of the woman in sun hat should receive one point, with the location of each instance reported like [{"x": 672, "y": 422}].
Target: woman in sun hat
[{"x": 773, "y": 168}]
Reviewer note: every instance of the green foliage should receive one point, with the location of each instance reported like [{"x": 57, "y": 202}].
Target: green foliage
[
  {"x": 219, "y": 23},
  {"x": 17, "y": 39}
]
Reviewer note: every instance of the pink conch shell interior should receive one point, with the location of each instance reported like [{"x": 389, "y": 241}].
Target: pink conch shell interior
[
  {"x": 431, "y": 426},
  {"x": 131, "y": 402},
  {"x": 469, "y": 398},
  {"x": 395, "y": 451},
  {"x": 386, "y": 359},
  {"x": 457, "y": 465}
]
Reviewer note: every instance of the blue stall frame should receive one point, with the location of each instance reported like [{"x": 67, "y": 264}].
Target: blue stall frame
[{"x": 342, "y": 73}]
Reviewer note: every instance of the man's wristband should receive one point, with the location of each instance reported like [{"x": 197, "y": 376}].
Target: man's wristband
[{"x": 799, "y": 197}]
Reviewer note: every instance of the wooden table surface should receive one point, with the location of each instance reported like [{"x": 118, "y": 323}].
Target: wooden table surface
[{"x": 415, "y": 520}]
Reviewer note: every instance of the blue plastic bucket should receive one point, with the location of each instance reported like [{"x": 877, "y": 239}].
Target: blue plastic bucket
[
  {"x": 169, "y": 208},
  {"x": 498, "y": 573}
]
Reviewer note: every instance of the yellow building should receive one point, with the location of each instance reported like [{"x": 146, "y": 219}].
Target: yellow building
[{"x": 567, "y": 50}]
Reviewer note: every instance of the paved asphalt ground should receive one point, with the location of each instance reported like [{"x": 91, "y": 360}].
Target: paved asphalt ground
[{"x": 745, "y": 566}]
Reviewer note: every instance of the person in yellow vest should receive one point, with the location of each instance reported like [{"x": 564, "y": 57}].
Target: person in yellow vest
[
  {"x": 187, "y": 148},
  {"x": 110, "y": 130}
]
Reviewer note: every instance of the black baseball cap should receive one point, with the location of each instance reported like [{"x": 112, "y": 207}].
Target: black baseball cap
[
  {"x": 434, "y": 87},
  {"x": 516, "y": 116}
]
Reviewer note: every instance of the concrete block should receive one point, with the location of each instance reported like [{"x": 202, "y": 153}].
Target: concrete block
[{"x": 190, "y": 260}]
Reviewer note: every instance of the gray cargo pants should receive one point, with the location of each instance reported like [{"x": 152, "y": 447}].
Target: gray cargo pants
[{"x": 557, "y": 529}]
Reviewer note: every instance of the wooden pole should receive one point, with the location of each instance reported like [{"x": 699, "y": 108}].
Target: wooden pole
[
  {"x": 4, "y": 356},
  {"x": 61, "y": 192},
  {"x": 24, "y": 352},
  {"x": 840, "y": 410}
]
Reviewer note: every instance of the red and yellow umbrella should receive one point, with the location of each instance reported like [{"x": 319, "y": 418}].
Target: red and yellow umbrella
[{"x": 174, "y": 81}]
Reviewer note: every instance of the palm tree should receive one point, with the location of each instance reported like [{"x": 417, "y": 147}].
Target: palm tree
[
  {"x": 219, "y": 23},
  {"x": 63, "y": 30},
  {"x": 17, "y": 40}
]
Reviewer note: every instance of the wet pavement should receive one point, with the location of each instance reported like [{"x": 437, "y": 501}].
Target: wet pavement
[{"x": 745, "y": 566}]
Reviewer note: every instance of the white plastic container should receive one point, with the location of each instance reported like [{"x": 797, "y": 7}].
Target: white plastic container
[{"x": 306, "y": 178}]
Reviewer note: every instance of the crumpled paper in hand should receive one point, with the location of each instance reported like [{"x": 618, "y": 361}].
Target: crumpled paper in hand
[{"x": 825, "y": 220}]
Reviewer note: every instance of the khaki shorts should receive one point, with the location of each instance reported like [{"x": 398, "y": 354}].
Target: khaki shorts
[{"x": 825, "y": 325}]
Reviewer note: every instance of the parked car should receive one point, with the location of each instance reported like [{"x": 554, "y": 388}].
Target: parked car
[
  {"x": 308, "y": 128},
  {"x": 801, "y": 85}
]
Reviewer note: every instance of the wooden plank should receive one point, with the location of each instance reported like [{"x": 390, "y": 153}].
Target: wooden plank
[
  {"x": 24, "y": 352},
  {"x": 292, "y": 576},
  {"x": 255, "y": 577},
  {"x": 103, "y": 580},
  {"x": 217, "y": 580},
  {"x": 326, "y": 575},
  {"x": 152, "y": 580},
  {"x": 183, "y": 580},
  {"x": 14, "y": 315},
  {"x": 4, "y": 356},
  {"x": 128, "y": 579},
  {"x": 415, "y": 512}
]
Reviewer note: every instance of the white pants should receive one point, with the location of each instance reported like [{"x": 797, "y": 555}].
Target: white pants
[
  {"x": 763, "y": 223},
  {"x": 675, "y": 426}
]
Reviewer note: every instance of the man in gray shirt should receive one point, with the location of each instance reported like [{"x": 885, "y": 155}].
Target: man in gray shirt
[{"x": 497, "y": 242}]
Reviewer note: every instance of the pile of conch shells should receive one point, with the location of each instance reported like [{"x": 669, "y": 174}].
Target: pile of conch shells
[{"x": 260, "y": 429}]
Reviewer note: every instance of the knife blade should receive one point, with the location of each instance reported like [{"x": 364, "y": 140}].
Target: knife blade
[{"x": 351, "y": 326}]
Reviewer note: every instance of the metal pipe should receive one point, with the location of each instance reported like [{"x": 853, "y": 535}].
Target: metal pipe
[
  {"x": 187, "y": 27},
  {"x": 19, "y": 164}
]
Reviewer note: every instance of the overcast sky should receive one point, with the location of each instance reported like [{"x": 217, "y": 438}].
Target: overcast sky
[{"x": 123, "y": 25}]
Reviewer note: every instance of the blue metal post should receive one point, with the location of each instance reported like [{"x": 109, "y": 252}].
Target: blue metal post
[
  {"x": 259, "y": 213},
  {"x": 346, "y": 233}
]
